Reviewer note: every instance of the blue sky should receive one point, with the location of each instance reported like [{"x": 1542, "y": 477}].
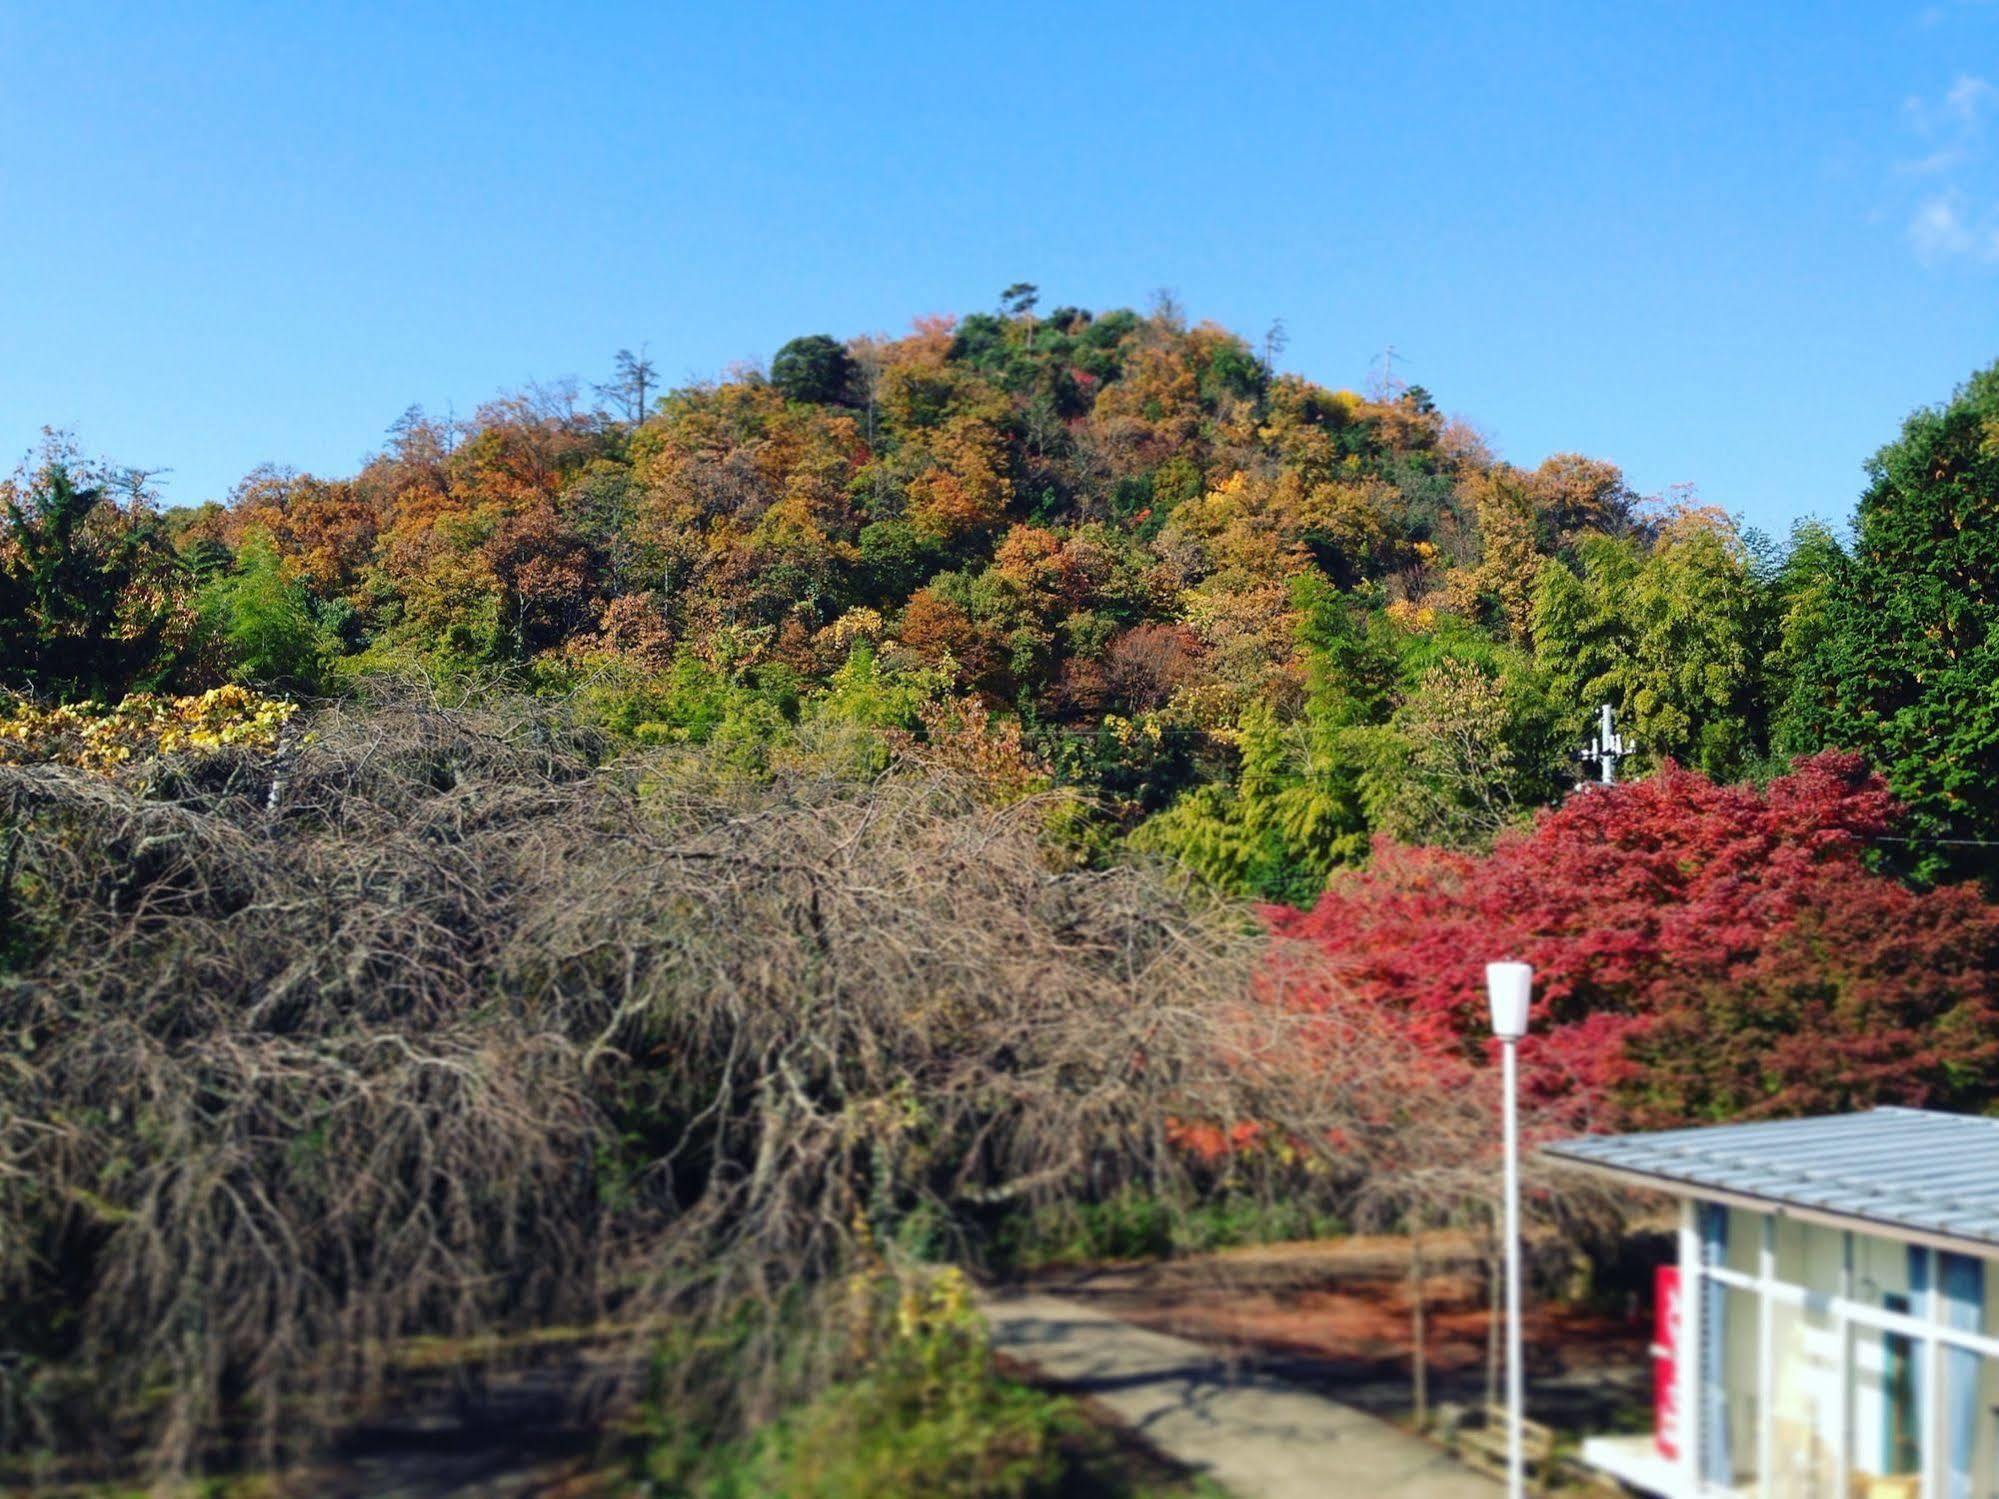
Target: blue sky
[{"x": 1719, "y": 244}]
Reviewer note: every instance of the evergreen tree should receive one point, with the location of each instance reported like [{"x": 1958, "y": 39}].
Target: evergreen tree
[
  {"x": 1804, "y": 588},
  {"x": 1904, "y": 665},
  {"x": 1295, "y": 811},
  {"x": 815, "y": 368},
  {"x": 1671, "y": 637},
  {"x": 88, "y": 590}
]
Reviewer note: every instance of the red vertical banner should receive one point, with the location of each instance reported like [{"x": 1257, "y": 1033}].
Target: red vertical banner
[{"x": 1666, "y": 1361}]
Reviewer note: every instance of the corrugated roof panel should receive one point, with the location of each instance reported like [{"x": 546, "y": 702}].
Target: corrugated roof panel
[{"x": 1902, "y": 1168}]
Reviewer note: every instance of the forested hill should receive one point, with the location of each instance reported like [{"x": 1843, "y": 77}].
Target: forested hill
[{"x": 1260, "y": 621}]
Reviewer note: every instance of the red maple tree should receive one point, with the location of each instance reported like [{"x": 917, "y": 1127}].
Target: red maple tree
[{"x": 1701, "y": 952}]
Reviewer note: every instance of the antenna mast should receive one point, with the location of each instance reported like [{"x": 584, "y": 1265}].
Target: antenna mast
[{"x": 1608, "y": 747}]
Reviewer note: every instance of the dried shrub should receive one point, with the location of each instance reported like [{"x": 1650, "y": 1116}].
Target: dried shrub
[{"x": 431, "y": 1025}]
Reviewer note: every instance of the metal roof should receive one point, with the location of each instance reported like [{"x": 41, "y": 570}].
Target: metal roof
[{"x": 1916, "y": 1172}]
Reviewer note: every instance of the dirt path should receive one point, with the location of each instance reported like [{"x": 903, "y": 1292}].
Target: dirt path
[
  {"x": 1335, "y": 1316},
  {"x": 1259, "y": 1436}
]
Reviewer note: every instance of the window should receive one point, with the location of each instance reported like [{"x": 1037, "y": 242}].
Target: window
[
  {"x": 1807, "y": 1375},
  {"x": 1831, "y": 1362},
  {"x": 1730, "y": 1332}
]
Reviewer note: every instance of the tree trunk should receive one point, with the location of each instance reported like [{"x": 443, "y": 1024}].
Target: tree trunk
[{"x": 1419, "y": 1359}]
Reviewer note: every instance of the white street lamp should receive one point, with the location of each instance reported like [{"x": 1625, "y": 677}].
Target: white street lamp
[{"x": 1510, "y": 987}]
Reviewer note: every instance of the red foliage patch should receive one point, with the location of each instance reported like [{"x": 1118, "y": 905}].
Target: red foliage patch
[{"x": 1700, "y": 952}]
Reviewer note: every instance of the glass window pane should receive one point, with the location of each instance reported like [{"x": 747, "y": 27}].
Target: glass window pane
[
  {"x": 1887, "y": 1399},
  {"x": 1729, "y": 1407},
  {"x": 1805, "y": 1405},
  {"x": 1985, "y": 1451},
  {"x": 1880, "y": 1270},
  {"x": 1745, "y": 1241},
  {"x": 1960, "y": 1287},
  {"x": 1985, "y": 1448},
  {"x": 1809, "y": 1255}
]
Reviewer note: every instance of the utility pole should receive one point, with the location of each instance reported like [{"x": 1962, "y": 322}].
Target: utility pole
[{"x": 1608, "y": 747}]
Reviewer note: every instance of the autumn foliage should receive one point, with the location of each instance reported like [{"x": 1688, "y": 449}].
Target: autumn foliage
[
  {"x": 1701, "y": 952},
  {"x": 96, "y": 736},
  {"x": 844, "y": 873}
]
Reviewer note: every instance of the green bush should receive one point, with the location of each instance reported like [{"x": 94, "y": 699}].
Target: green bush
[
  {"x": 1134, "y": 1225},
  {"x": 929, "y": 1419},
  {"x": 922, "y": 1414},
  {"x": 264, "y": 621}
]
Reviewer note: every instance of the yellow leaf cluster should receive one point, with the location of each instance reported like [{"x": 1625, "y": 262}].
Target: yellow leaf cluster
[
  {"x": 859, "y": 623},
  {"x": 102, "y": 737},
  {"x": 1145, "y": 729},
  {"x": 1412, "y": 616}
]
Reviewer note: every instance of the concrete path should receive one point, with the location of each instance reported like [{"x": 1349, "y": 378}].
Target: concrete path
[{"x": 1257, "y": 1436}]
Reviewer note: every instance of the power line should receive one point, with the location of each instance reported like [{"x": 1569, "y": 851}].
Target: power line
[{"x": 1950, "y": 842}]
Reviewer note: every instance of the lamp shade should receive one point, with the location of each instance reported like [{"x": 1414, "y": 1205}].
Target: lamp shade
[{"x": 1510, "y": 986}]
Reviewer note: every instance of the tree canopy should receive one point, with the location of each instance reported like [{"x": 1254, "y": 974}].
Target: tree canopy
[
  {"x": 1257, "y": 620},
  {"x": 747, "y": 824},
  {"x": 1898, "y": 639},
  {"x": 1700, "y": 952}
]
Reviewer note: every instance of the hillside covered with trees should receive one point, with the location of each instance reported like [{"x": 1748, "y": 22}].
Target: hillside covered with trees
[{"x": 1257, "y": 621}]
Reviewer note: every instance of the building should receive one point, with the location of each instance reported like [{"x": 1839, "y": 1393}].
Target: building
[{"x": 1832, "y": 1326}]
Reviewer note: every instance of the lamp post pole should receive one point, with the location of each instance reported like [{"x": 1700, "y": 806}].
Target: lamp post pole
[{"x": 1510, "y": 987}]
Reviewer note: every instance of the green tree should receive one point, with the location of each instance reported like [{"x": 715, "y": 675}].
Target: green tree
[
  {"x": 1903, "y": 647},
  {"x": 815, "y": 368},
  {"x": 90, "y": 590},
  {"x": 1473, "y": 746},
  {"x": 895, "y": 558},
  {"x": 1697, "y": 631},
  {"x": 264, "y": 619},
  {"x": 1020, "y": 299},
  {"x": 632, "y": 375},
  {"x": 1804, "y": 591},
  {"x": 1671, "y": 636},
  {"x": 1295, "y": 810},
  {"x": 1229, "y": 834},
  {"x": 1350, "y": 678}
]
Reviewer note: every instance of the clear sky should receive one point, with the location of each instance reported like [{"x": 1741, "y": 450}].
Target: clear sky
[{"x": 1720, "y": 244}]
